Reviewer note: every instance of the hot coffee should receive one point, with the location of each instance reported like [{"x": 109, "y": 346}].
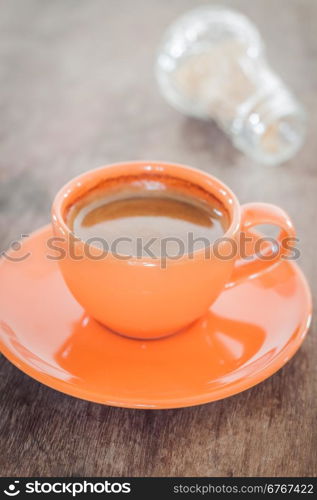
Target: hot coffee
[{"x": 148, "y": 216}]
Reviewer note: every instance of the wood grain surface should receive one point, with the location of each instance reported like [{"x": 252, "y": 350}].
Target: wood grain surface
[{"x": 76, "y": 91}]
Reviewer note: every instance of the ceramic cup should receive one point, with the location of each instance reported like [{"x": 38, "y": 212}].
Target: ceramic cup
[{"x": 138, "y": 297}]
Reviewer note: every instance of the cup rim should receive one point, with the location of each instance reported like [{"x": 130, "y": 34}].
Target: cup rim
[{"x": 216, "y": 187}]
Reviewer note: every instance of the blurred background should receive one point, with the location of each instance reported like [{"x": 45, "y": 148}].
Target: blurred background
[{"x": 77, "y": 90}]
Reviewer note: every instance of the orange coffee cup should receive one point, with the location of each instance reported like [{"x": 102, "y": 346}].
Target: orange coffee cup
[{"x": 137, "y": 296}]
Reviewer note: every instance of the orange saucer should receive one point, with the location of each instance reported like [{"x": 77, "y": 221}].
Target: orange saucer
[{"x": 251, "y": 331}]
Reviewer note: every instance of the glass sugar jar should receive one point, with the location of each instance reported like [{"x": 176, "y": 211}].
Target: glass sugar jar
[{"x": 212, "y": 65}]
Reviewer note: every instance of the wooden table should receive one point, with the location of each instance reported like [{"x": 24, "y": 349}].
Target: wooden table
[{"x": 76, "y": 91}]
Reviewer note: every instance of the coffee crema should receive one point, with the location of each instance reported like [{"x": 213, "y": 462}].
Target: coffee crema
[{"x": 148, "y": 217}]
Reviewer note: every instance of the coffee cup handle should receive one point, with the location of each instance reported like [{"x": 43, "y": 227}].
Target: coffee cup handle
[{"x": 265, "y": 252}]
